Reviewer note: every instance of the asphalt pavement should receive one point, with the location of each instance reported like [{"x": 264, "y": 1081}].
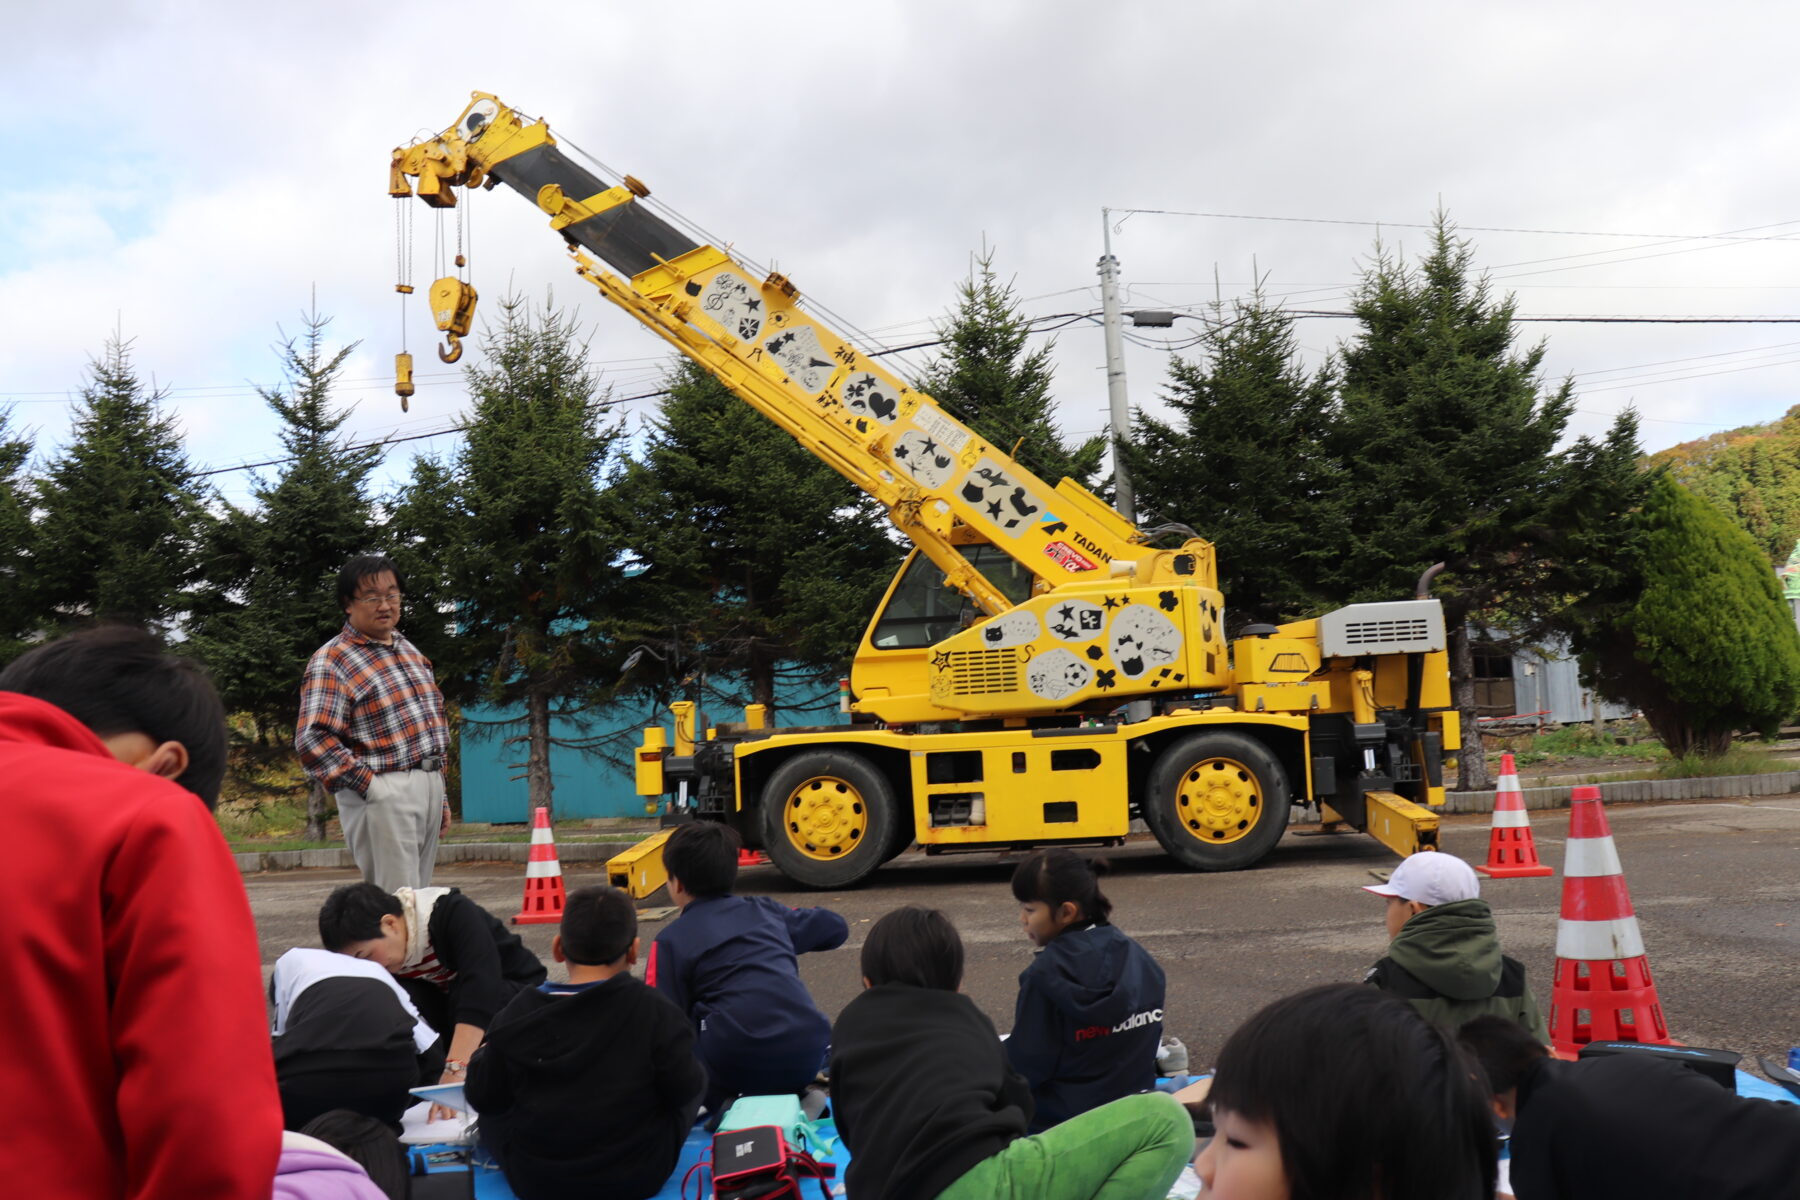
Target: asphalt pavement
[{"x": 1716, "y": 886}]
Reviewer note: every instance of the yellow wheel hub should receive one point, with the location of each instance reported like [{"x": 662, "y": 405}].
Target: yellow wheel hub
[
  {"x": 825, "y": 818},
  {"x": 1218, "y": 801}
]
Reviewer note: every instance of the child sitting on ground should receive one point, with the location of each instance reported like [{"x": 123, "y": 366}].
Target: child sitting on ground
[
  {"x": 588, "y": 1087},
  {"x": 1090, "y": 1011},
  {"x": 1444, "y": 954},
  {"x": 1343, "y": 1093},
  {"x": 729, "y": 963},
  {"x": 455, "y": 959},
  {"x": 928, "y": 1106},
  {"x": 346, "y": 1037}
]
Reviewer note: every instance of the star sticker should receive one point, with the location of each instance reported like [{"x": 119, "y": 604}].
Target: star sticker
[
  {"x": 941, "y": 660},
  {"x": 1113, "y": 602},
  {"x": 930, "y": 447},
  {"x": 994, "y": 509},
  {"x": 753, "y": 305},
  {"x": 1066, "y": 611}
]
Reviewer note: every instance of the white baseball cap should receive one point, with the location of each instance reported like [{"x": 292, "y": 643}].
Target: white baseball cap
[{"x": 1431, "y": 877}]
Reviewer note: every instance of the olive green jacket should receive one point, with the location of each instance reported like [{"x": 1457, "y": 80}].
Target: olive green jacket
[{"x": 1446, "y": 962}]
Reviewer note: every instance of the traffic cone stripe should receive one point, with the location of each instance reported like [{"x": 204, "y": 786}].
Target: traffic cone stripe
[
  {"x": 1588, "y": 820},
  {"x": 541, "y": 835},
  {"x": 1605, "y": 899},
  {"x": 1597, "y": 941},
  {"x": 1507, "y": 788},
  {"x": 543, "y": 870},
  {"x": 1586, "y": 858},
  {"x": 1511, "y": 818}
]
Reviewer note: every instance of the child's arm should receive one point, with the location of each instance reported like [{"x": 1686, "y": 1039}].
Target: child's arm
[
  {"x": 464, "y": 942},
  {"x": 668, "y": 974},
  {"x": 1034, "y": 1046},
  {"x": 489, "y": 1085},
  {"x": 814, "y": 928}
]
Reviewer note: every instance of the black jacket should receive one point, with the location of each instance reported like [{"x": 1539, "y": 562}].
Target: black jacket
[
  {"x": 1639, "y": 1128},
  {"x": 343, "y": 1024},
  {"x": 921, "y": 1090},
  {"x": 489, "y": 961},
  {"x": 1087, "y": 1023},
  {"x": 587, "y": 1094}
]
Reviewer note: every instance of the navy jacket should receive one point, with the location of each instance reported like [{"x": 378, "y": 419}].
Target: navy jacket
[
  {"x": 1087, "y": 1023},
  {"x": 729, "y": 962}
]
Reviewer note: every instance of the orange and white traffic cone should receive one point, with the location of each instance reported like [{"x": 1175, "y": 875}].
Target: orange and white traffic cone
[
  {"x": 1512, "y": 852},
  {"x": 751, "y": 858},
  {"x": 1603, "y": 990},
  {"x": 544, "y": 896}
]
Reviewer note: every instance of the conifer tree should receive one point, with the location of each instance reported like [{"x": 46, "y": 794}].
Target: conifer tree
[
  {"x": 17, "y": 612},
  {"x": 988, "y": 379},
  {"x": 271, "y": 594},
  {"x": 1698, "y": 636},
  {"x": 121, "y": 512},
  {"x": 528, "y": 550},
  {"x": 1243, "y": 463},
  {"x": 760, "y": 560}
]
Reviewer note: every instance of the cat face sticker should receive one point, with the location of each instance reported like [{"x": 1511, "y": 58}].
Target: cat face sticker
[
  {"x": 1010, "y": 629},
  {"x": 1142, "y": 639},
  {"x": 734, "y": 303},
  {"x": 1057, "y": 675}
]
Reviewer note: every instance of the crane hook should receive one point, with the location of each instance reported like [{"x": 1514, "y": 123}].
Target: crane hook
[{"x": 452, "y": 351}]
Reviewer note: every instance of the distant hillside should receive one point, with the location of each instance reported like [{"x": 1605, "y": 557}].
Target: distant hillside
[{"x": 1752, "y": 475}]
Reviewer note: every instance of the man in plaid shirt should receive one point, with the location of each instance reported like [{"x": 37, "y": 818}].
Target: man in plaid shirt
[{"x": 372, "y": 730}]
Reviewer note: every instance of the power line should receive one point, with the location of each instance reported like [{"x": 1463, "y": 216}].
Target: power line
[{"x": 1459, "y": 227}]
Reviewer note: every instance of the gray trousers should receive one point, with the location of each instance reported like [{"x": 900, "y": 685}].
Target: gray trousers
[{"x": 393, "y": 831}]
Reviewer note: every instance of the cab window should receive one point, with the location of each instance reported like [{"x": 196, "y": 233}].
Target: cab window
[{"x": 923, "y": 612}]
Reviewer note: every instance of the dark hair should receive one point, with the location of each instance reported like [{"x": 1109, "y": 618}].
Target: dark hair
[
  {"x": 1056, "y": 877},
  {"x": 703, "y": 856},
  {"x": 598, "y": 924},
  {"x": 365, "y": 566},
  {"x": 1366, "y": 1097},
  {"x": 914, "y": 945},
  {"x": 353, "y": 913},
  {"x": 119, "y": 679},
  {"x": 367, "y": 1142},
  {"x": 1506, "y": 1050}
]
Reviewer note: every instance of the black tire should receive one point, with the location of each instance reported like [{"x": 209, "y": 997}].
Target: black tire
[
  {"x": 1217, "y": 801},
  {"x": 828, "y": 819}
]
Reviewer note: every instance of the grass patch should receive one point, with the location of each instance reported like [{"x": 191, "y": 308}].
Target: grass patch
[
  {"x": 1739, "y": 760},
  {"x": 262, "y": 820},
  {"x": 1621, "y": 740}
]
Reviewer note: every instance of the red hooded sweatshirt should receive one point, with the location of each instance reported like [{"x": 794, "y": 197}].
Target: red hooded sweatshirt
[{"x": 138, "y": 1061}]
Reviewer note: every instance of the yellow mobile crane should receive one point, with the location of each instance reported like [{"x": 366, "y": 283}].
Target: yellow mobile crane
[{"x": 986, "y": 689}]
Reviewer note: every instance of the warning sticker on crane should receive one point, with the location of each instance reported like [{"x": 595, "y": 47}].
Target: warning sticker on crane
[
  {"x": 1068, "y": 557},
  {"x": 1000, "y": 498},
  {"x": 734, "y": 303},
  {"x": 802, "y": 356},
  {"x": 949, "y": 434}
]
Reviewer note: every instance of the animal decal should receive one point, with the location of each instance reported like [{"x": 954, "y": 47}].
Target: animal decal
[
  {"x": 1010, "y": 629},
  {"x": 1075, "y": 621},
  {"x": 1000, "y": 498},
  {"x": 1141, "y": 639}
]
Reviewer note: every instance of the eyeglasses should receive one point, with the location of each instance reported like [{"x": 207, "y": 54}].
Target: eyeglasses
[{"x": 384, "y": 598}]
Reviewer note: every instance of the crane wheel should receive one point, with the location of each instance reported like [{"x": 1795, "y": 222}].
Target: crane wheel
[
  {"x": 1217, "y": 801},
  {"x": 829, "y": 818}
]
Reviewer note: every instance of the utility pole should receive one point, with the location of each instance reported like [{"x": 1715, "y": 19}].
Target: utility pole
[{"x": 1115, "y": 369}]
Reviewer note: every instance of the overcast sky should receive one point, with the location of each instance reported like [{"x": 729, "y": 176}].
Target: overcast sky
[{"x": 193, "y": 174}]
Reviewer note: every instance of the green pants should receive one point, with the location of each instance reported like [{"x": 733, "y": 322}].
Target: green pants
[{"x": 1131, "y": 1149}]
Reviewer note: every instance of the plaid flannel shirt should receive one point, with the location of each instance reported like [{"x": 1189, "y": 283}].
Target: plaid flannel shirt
[{"x": 367, "y": 709}]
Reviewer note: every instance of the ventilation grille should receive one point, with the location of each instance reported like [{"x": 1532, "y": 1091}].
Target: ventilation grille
[
  {"x": 983, "y": 672},
  {"x": 1399, "y": 627}
]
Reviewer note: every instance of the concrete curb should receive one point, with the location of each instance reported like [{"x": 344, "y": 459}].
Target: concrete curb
[
  {"x": 454, "y": 852},
  {"x": 1775, "y": 783}
]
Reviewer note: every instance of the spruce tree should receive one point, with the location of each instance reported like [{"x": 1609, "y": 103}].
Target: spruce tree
[
  {"x": 121, "y": 512},
  {"x": 18, "y": 612},
  {"x": 1698, "y": 636},
  {"x": 1243, "y": 462},
  {"x": 988, "y": 379},
  {"x": 759, "y": 558},
  {"x": 271, "y": 594},
  {"x": 1445, "y": 449},
  {"x": 529, "y": 552}
]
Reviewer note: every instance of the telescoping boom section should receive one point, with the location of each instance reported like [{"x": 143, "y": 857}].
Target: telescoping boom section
[{"x": 1038, "y": 671}]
